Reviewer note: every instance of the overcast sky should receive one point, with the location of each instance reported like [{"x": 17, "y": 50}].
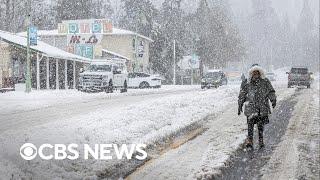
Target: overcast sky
[
  {"x": 243, "y": 7},
  {"x": 291, "y": 7}
]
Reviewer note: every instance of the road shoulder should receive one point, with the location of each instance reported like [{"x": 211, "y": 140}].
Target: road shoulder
[{"x": 297, "y": 156}]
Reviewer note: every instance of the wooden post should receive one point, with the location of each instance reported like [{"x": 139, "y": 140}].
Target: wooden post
[
  {"x": 38, "y": 71},
  {"x": 57, "y": 74},
  {"x": 48, "y": 73},
  {"x": 74, "y": 74},
  {"x": 65, "y": 74}
]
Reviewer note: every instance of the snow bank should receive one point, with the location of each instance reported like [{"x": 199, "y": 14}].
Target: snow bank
[{"x": 21, "y": 101}]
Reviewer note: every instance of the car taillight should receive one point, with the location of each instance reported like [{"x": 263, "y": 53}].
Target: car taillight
[{"x": 289, "y": 76}]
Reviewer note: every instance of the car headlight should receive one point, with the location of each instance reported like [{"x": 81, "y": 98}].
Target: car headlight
[{"x": 203, "y": 80}]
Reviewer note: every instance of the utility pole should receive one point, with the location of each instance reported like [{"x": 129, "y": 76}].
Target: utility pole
[
  {"x": 136, "y": 47},
  {"x": 28, "y": 73},
  {"x": 174, "y": 62},
  {"x": 136, "y": 44}
]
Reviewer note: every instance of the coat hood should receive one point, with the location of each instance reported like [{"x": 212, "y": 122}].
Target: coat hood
[{"x": 256, "y": 68}]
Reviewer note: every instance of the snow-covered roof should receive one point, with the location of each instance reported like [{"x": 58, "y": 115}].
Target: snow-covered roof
[
  {"x": 43, "y": 33},
  {"x": 115, "y": 54},
  {"x": 115, "y": 31},
  {"x": 46, "y": 49},
  {"x": 215, "y": 70},
  {"x": 107, "y": 61}
]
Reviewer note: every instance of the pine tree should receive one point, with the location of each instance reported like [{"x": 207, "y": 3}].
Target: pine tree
[
  {"x": 307, "y": 39},
  {"x": 74, "y": 9},
  {"x": 138, "y": 16},
  {"x": 219, "y": 40},
  {"x": 286, "y": 39},
  {"x": 173, "y": 29},
  {"x": 12, "y": 15},
  {"x": 306, "y": 22},
  {"x": 43, "y": 14},
  {"x": 264, "y": 34},
  {"x": 107, "y": 9}
]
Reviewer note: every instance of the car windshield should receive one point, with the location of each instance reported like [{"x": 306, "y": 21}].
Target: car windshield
[
  {"x": 99, "y": 68},
  {"x": 131, "y": 75},
  {"x": 299, "y": 70},
  {"x": 213, "y": 75}
]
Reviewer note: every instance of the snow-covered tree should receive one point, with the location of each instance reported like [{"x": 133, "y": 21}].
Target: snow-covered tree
[
  {"x": 74, "y": 9},
  {"x": 307, "y": 39},
  {"x": 43, "y": 14},
  {"x": 12, "y": 15},
  {"x": 263, "y": 34},
  {"x": 173, "y": 32},
  {"x": 219, "y": 40},
  {"x": 138, "y": 16}
]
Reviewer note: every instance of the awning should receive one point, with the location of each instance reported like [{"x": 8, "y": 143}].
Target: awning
[{"x": 42, "y": 47}]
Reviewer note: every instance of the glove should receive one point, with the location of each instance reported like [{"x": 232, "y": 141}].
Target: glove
[
  {"x": 274, "y": 104},
  {"x": 239, "y": 110}
]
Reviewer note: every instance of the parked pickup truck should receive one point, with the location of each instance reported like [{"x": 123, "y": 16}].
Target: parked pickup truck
[
  {"x": 299, "y": 76},
  {"x": 104, "y": 75}
]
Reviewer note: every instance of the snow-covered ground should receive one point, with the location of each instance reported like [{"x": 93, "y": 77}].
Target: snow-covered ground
[
  {"x": 20, "y": 101},
  {"x": 203, "y": 157},
  {"x": 145, "y": 121},
  {"x": 139, "y": 116},
  {"x": 298, "y": 155}
]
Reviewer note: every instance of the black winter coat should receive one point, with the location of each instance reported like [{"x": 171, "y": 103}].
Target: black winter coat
[{"x": 255, "y": 95}]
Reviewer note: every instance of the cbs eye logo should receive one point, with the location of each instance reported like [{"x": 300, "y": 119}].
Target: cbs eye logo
[{"x": 28, "y": 151}]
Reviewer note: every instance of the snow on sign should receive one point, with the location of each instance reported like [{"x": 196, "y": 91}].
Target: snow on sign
[
  {"x": 33, "y": 35},
  {"x": 85, "y": 35},
  {"x": 85, "y": 50},
  {"x": 85, "y": 26},
  {"x": 84, "y": 38}
]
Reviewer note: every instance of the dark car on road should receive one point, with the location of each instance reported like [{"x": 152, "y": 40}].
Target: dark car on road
[
  {"x": 299, "y": 76},
  {"x": 213, "y": 79}
]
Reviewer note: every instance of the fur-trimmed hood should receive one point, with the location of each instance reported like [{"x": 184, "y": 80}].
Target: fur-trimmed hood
[{"x": 256, "y": 68}]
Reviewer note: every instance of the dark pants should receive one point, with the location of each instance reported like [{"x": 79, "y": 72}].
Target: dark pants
[{"x": 260, "y": 121}]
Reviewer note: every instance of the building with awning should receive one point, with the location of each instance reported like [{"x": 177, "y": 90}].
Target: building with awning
[
  {"x": 48, "y": 63},
  {"x": 98, "y": 39}
]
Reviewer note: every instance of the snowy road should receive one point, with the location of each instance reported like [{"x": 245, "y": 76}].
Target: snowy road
[
  {"x": 298, "y": 154},
  {"x": 15, "y": 119},
  {"x": 247, "y": 164}
]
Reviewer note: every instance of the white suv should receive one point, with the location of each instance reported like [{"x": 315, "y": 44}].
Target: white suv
[
  {"x": 104, "y": 76},
  {"x": 144, "y": 80}
]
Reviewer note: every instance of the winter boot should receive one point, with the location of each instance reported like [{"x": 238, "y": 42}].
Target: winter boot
[
  {"x": 261, "y": 144},
  {"x": 249, "y": 143}
]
